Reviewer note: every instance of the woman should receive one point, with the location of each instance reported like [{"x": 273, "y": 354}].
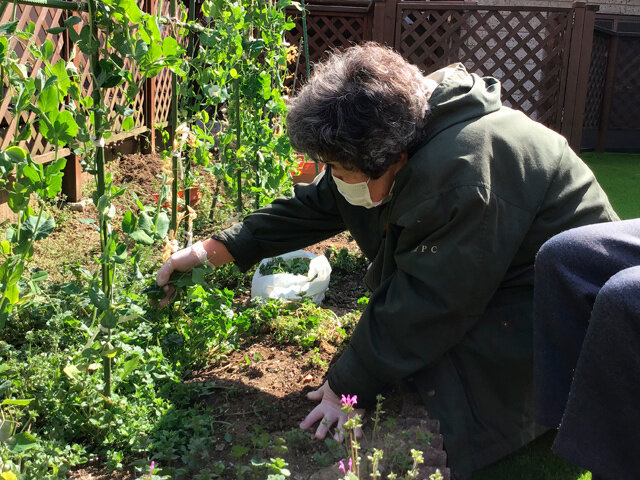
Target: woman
[{"x": 449, "y": 195}]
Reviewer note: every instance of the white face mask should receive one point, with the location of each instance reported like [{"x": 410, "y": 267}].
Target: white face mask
[{"x": 357, "y": 193}]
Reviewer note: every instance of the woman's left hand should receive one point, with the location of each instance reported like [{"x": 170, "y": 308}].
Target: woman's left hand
[{"x": 329, "y": 412}]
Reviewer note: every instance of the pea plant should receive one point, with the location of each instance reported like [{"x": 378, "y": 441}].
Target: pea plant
[
  {"x": 123, "y": 47},
  {"x": 31, "y": 184},
  {"x": 232, "y": 98}
]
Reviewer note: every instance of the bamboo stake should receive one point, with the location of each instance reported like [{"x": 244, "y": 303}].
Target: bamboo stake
[
  {"x": 173, "y": 124},
  {"x": 98, "y": 101},
  {"x": 238, "y": 143},
  {"x": 191, "y": 50}
]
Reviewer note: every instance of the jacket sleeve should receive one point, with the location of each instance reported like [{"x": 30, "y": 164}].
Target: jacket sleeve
[
  {"x": 309, "y": 216},
  {"x": 452, "y": 253}
]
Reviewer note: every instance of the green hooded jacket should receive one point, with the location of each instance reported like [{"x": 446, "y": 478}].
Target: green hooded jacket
[{"x": 452, "y": 256}]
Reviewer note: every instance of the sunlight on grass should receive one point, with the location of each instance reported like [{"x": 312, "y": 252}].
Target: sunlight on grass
[{"x": 619, "y": 175}]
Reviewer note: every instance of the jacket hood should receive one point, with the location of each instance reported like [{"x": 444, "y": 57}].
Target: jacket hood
[{"x": 460, "y": 97}]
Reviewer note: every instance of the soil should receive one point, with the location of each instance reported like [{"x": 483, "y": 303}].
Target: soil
[{"x": 264, "y": 383}]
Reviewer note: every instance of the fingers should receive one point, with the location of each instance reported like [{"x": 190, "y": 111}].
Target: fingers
[
  {"x": 324, "y": 426},
  {"x": 316, "y": 395},
  {"x": 315, "y": 415},
  {"x": 170, "y": 291},
  {"x": 164, "y": 273}
]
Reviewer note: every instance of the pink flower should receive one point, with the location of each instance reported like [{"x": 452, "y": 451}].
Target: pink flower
[
  {"x": 349, "y": 400},
  {"x": 343, "y": 468},
  {"x": 151, "y": 468}
]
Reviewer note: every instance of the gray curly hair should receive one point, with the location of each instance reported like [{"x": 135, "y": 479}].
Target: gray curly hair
[{"x": 361, "y": 108}]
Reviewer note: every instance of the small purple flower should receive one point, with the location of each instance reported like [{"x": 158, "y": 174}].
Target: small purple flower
[
  {"x": 152, "y": 468},
  {"x": 349, "y": 400}
]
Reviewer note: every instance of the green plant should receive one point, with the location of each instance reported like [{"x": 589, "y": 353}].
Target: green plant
[
  {"x": 295, "y": 266},
  {"x": 24, "y": 179}
]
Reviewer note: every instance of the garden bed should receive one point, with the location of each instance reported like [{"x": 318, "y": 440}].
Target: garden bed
[{"x": 245, "y": 404}]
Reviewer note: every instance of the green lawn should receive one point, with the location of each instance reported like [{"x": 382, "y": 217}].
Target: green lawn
[{"x": 619, "y": 175}]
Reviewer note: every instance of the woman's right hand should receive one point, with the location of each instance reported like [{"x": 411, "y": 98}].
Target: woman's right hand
[{"x": 189, "y": 258}]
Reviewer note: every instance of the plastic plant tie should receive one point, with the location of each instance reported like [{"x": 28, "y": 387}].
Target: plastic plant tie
[{"x": 98, "y": 143}]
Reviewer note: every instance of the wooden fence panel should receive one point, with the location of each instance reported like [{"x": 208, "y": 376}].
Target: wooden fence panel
[
  {"x": 524, "y": 48},
  {"x": 43, "y": 18}
]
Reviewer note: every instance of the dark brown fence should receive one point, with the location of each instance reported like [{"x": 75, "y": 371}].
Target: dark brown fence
[
  {"x": 541, "y": 56},
  {"x": 612, "y": 116}
]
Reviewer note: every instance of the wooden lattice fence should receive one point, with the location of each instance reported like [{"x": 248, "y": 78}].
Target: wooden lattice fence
[
  {"x": 541, "y": 56},
  {"x": 525, "y": 48},
  {"x": 612, "y": 116}
]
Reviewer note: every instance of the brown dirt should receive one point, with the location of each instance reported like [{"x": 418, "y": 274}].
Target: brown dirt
[{"x": 264, "y": 384}]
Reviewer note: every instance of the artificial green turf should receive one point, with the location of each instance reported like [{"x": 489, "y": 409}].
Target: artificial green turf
[
  {"x": 533, "y": 462},
  {"x": 619, "y": 175}
]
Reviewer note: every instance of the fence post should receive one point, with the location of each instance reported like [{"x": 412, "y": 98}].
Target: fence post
[
  {"x": 389, "y": 30},
  {"x": 72, "y": 173},
  {"x": 377, "y": 24},
  {"x": 578, "y": 72},
  {"x": 149, "y": 95},
  {"x": 612, "y": 61}
]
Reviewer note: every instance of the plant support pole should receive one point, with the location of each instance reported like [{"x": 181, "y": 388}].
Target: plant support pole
[
  {"x": 173, "y": 125},
  {"x": 305, "y": 41},
  {"x": 238, "y": 143},
  {"x": 100, "y": 174}
]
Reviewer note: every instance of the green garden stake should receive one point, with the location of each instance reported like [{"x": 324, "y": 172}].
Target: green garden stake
[{"x": 173, "y": 124}]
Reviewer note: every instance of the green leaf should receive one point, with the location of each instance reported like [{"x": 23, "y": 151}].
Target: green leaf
[
  {"x": 128, "y": 367},
  {"x": 32, "y": 229},
  {"x": 47, "y": 49},
  {"x": 128, "y": 222},
  {"x": 128, "y": 124},
  {"x": 48, "y": 100},
  {"x": 98, "y": 298},
  {"x": 12, "y": 293},
  {"x": 21, "y": 442},
  {"x": 31, "y": 173},
  {"x": 60, "y": 71},
  {"x": 55, "y": 30},
  {"x": 120, "y": 255},
  {"x": 233, "y": 73},
  {"x": 162, "y": 227},
  {"x": 140, "y": 236},
  {"x": 8, "y": 28},
  {"x": 170, "y": 47},
  {"x": 15, "y": 155},
  {"x": 141, "y": 50},
  {"x": 21, "y": 402},
  {"x": 55, "y": 167},
  {"x": 64, "y": 128},
  {"x": 5, "y": 245},
  {"x": 53, "y": 185},
  {"x": 39, "y": 276},
  {"x": 6, "y": 430},
  {"x": 145, "y": 222},
  {"x": 72, "y": 372},
  {"x": 109, "y": 320}
]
